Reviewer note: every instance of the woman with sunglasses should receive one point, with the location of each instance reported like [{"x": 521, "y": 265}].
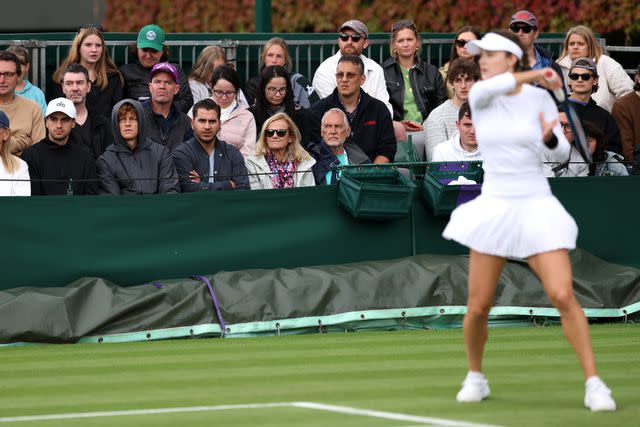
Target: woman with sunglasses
[
  {"x": 275, "y": 96},
  {"x": 237, "y": 125},
  {"x": 459, "y": 50},
  {"x": 613, "y": 81},
  {"x": 279, "y": 160},
  {"x": 88, "y": 49},
  {"x": 516, "y": 215},
  {"x": 276, "y": 52},
  {"x": 415, "y": 87}
]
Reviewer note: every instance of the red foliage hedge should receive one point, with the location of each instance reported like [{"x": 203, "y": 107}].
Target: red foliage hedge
[{"x": 324, "y": 16}]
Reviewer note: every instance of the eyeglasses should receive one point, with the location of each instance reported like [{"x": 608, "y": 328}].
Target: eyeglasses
[
  {"x": 400, "y": 25},
  {"x": 274, "y": 90},
  {"x": 354, "y": 37},
  {"x": 349, "y": 75},
  {"x": 461, "y": 42},
  {"x": 525, "y": 28},
  {"x": 279, "y": 132},
  {"x": 584, "y": 76},
  {"x": 8, "y": 74},
  {"x": 227, "y": 94},
  {"x": 565, "y": 126}
]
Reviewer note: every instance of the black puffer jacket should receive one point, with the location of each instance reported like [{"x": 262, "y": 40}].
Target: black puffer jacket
[
  {"x": 147, "y": 169},
  {"x": 426, "y": 82}
]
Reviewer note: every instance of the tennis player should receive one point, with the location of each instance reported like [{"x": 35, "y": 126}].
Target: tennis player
[{"x": 517, "y": 215}]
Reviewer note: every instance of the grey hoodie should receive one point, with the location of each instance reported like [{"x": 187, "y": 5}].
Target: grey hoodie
[{"x": 147, "y": 169}]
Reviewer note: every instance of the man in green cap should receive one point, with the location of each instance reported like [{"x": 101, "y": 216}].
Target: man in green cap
[{"x": 151, "y": 50}]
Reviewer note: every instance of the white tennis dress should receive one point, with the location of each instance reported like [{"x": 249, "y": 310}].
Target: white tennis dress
[{"x": 516, "y": 215}]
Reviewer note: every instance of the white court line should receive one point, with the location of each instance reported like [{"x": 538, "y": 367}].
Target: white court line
[
  {"x": 307, "y": 405},
  {"x": 387, "y": 415}
]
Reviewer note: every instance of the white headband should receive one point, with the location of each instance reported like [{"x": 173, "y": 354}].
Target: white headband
[{"x": 494, "y": 42}]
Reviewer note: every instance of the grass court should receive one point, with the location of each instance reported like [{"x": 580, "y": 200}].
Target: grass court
[{"x": 385, "y": 379}]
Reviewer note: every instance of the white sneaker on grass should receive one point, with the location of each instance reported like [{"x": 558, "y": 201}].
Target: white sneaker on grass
[
  {"x": 597, "y": 396},
  {"x": 475, "y": 388}
]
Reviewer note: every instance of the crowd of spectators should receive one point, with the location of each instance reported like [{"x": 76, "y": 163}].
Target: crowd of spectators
[{"x": 147, "y": 127}]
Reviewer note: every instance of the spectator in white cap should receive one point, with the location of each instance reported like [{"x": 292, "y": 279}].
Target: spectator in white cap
[
  {"x": 57, "y": 165},
  {"x": 516, "y": 215},
  {"x": 14, "y": 172},
  {"x": 353, "y": 38},
  {"x": 166, "y": 123},
  {"x": 149, "y": 50},
  {"x": 524, "y": 24}
]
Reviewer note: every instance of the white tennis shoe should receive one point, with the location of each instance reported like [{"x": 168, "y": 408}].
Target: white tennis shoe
[
  {"x": 475, "y": 388},
  {"x": 597, "y": 396}
]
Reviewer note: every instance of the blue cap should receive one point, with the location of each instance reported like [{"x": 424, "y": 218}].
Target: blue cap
[{"x": 4, "y": 120}]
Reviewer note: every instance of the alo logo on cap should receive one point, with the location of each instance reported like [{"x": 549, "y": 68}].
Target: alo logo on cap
[
  {"x": 151, "y": 35},
  {"x": 61, "y": 104}
]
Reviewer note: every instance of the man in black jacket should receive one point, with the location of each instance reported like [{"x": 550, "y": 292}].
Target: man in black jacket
[
  {"x": 166, "y": 124},
  {"x": 91, "y": 130},
  {"x": 204, "y": 162},
  {"x": 57, "y": 165},
  {"x": 369, "y": 118},
  {"x": 583, "y": 81}
]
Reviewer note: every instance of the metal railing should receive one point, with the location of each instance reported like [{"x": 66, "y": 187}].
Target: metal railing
[{"x": 306, "y": 55}]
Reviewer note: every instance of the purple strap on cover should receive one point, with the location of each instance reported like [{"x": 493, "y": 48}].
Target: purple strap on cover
[
  {"x": 468, "y": 193},
  {"x": 214, "y": 299},
  {"x": 158, "y": 285}
]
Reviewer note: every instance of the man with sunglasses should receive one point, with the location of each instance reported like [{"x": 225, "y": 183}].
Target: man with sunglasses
[
  {"x": 27, "y": 124},
  {"x": 353, "y": 38},
  {"x": 583, "y": 82},
  {"x": 524, "y": 25},
  {"x": 370, "y": 122}
]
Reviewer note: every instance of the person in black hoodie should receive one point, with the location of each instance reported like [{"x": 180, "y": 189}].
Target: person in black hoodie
[
  {"x": 134, "y": 163},
  {"x": 57, "y": 165},
  {"x": 91, "y": 129},
  {"x": 369, "y": 118}
]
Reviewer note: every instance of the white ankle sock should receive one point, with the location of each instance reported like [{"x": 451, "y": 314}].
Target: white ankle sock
[{"x": 475, "y": 376}]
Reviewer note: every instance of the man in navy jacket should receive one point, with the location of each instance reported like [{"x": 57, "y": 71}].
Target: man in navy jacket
[
  {"x": 204, "y": 162},
  {"x": 369, "y": 118}
]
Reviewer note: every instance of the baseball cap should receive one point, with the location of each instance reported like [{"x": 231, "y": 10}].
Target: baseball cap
[
  {"x": 495, "y": 43},
  {"x": 586, "y": 63},
  {"x": 525, "y": 17},
  {"x": 165, "y": 67},
  {"x": 357, "y": 26},
  {"x": 151, "y": 36},
  {"x": 62, "y": 105},
  {"x": 4, "y": 120}
]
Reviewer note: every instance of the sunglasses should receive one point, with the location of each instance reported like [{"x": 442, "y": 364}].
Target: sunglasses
[
  {"x": 586, "y": 76},
  {"x": 349, "y": 75},
  {"x": 565, "y": 126},
  {"x": 517, "y": 28},
  {"x": 279, "y": 132},
  {"x": 354, "y": 37},
  {"x": 461, "y": 42}
]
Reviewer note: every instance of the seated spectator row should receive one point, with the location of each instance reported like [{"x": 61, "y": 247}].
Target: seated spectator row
[{"x": 143, "y": 134}]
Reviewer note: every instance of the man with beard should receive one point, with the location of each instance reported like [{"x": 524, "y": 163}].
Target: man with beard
[
  {"x": 57, "y": 165},
  {"x": 353, "y": 38},
  {"x": 204, "y": 162}
]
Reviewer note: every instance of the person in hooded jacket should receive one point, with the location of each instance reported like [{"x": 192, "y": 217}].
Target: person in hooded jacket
[{"x": 134, "y": 163}]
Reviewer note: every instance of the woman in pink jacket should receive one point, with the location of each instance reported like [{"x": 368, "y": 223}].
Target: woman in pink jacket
[{"x": 238, "y": 126}]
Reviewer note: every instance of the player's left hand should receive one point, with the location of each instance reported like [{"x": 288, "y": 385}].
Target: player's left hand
[{"x": 547, "y": 127}]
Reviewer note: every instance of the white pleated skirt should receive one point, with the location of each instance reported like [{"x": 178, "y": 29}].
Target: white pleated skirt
[{"x": 515, "y": 227}]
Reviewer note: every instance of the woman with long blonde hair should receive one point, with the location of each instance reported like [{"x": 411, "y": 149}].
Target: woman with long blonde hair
[
  {"x": 14, "y": 173},
  {"x": 279, "y": 160},
  {"x": 88, "y": 49},
  {"x": 613, "y": 81}
]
